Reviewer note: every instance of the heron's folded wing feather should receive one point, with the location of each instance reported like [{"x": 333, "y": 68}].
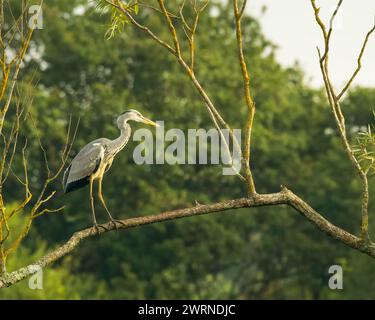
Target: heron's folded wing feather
[{"x": 86, "y": 162}]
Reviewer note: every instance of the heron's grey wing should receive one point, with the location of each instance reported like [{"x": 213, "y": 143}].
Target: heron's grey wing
[{"x": 85, "y": 163}]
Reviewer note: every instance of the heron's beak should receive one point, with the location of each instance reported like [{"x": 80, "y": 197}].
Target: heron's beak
[{"x": 150, "y": 122}]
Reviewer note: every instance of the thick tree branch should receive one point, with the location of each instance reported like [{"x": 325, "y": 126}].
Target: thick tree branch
[{"x": 284, "y": 197}]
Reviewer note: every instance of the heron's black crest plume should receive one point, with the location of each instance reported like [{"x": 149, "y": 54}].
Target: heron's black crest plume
[{"x": 130, "y": 110}]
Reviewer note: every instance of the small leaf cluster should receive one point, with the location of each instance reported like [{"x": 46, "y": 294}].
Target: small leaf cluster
[
  {"x": 117, "y": 10},
  {"x": 365, "y": 150}
]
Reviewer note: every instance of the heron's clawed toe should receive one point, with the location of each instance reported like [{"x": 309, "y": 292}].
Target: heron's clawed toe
[
  {"x": 120, "y": 222},
  {"x": 116, "y": 222},
  {"x": 97, "y": 228},
  {"x": 113, "y": 221}
]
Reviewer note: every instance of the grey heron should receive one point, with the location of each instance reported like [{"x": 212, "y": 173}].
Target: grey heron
[{"x": 95, "y": 159}]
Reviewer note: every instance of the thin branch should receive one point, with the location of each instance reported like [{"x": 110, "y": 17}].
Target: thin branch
[
  {"x": 44, "y": 211},
  {"x": 182, "y": 17},
  {"x": 171, "y": 27},
  {"x": 331, "y": 22},
  {"x": 190, "y": 31},
  {"x": 44, "y": 152},
  {"x": 359, "y": 63},
  {"x": 248, "y": 98},
  {"x": 243, "y": 7},
  {"x": 146, "y": 5},
  {"x": 14, "y": 138}
]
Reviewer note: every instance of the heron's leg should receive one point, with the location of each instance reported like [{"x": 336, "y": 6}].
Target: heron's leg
[
  {"x": 92, "y": 201},
  {"x": 96, "y": 226},
  {"x": 100, "y": 195}
]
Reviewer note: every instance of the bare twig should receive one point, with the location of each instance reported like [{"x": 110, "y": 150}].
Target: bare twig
[
  {"x": 172, "y": 29},
  {"x": 146, "y": 5},
  {"x": 359, "y": 63},
  {"x": 243, "y": 7},
  {"x": 190, "y": 31}
]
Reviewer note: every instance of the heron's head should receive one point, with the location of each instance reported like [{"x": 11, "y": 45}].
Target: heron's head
[{"x": 133, "y": 115}]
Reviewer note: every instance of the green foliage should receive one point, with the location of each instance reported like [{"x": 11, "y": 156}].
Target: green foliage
[
  {"x": 118, "y": 19},
  {"x": 365, "y": 150}
]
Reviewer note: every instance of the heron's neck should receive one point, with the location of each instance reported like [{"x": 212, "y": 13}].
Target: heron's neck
[
  {"x": 125, "y": 132},
  {"x": 123, "y": 139}
]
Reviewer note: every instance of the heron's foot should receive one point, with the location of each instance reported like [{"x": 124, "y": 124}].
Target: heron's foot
[
  {"x": 98, "y": 226},
  {"x": 116, "y": 222}
]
